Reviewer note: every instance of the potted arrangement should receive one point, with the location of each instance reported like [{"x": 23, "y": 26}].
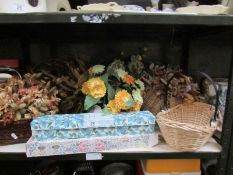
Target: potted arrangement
[{"x": 22, "y": 100}]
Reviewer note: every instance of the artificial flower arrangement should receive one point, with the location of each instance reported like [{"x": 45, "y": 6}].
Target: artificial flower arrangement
[{"x": 113, "y": 89}]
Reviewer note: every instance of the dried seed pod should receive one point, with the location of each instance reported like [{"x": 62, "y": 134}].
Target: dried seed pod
[
  {"x": 43, "y": 109},
  {"x": 14, "y": 106},
  {"x": 22, "y": 111},
  {"x": 18, "y": 116},
  {"x": 22, "y": 105},
  {"x": 8, "y": 117}
]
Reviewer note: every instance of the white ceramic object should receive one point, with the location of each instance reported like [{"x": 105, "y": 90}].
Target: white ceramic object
[
  {"x": 21, "y": 6},
  {"x": 111, "y": 6},
  {"x": 193, "y": 3},
  {"x": 225, "y": 2},
  {"x": 204, "y": 9},
  {"x": 4, "y": 77},
  {"x": 27, "y": 6},
  {"x": 228, "y": 3},
  {"x": 58, "y": 5},
  {"x": 134, "y": 8},
  {"x": 155, "y": 4},
  {"x": 168, "y": 7}
]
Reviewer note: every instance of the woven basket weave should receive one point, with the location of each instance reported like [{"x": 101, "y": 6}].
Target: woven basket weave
[
  {"x": 151, "y": 102},
  {"x": 155, "y": 104},
  {"x": 17, "y": 132},
  {"x": 186, "y": 127}
]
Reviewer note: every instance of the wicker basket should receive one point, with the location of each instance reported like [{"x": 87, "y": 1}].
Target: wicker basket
[
  {"x": 187, "y": 127},
  {"x": 155, "y": 104},
  {"x": 152, "y": 103},
  {"x": 17, "y": 132}
]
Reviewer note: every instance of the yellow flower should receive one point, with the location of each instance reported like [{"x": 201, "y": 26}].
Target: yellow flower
[
  {"x": 121, "y": 98},
  {"x": 113, "y": 107},
  {"x": 97, "y": 88},
  {"x": 85, "y": 88},
  {"x": 128, "y": 79},
  {"x": 137, "y": 106}
]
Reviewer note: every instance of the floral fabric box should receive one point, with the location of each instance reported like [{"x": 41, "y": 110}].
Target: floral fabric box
[
  {"x": 87, "y": 125},
  {"x": 99, "y": 144}
]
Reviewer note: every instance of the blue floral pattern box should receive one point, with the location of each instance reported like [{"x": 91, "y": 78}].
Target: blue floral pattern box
[{"x": 87, "y": 125}]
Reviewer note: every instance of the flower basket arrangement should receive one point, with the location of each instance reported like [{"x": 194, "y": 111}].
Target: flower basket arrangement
[
  {"x": 188, "y": 126},
  {"x": 165, "y": 87},
  {"x": 52, "y": 87},
  {"x": 114, "y": 90},
  {"x": 22, "y": 100}
]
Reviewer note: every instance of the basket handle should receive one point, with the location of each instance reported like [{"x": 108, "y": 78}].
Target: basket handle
[
  {"x": 217, "y": 94},
  {"x": 207, "y": 77},
  {"x": 10, "y": 70}
]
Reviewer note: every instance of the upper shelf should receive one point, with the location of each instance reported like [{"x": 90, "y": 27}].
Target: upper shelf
[{"x": 118, "y": 18}]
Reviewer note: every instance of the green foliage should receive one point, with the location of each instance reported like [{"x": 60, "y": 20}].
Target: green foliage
[
  {"x": 106, "y": 111},
  {"x": 111, "y": 92},
  {"x": 130, "y": 103},
  {"x": 137, "y": 95},
  {"x": 90, "y": 102}
]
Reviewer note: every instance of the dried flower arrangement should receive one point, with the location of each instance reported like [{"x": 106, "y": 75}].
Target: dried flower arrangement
[
  {"x": 26, "y": 98},
  {"x": 114, "y": 89},
  {"x": 167, "y": 87},
  {"x": 67, "y": 75},
  {"x": 53, "y": 87}
]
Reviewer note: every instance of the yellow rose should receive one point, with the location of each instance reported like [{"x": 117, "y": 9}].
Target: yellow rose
[
  {"x": 85, "y": 88},
  {"x": 113, "y": 107},
  {"x": 97, "y": 88},
  {"x": 121, "y": 98}
]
